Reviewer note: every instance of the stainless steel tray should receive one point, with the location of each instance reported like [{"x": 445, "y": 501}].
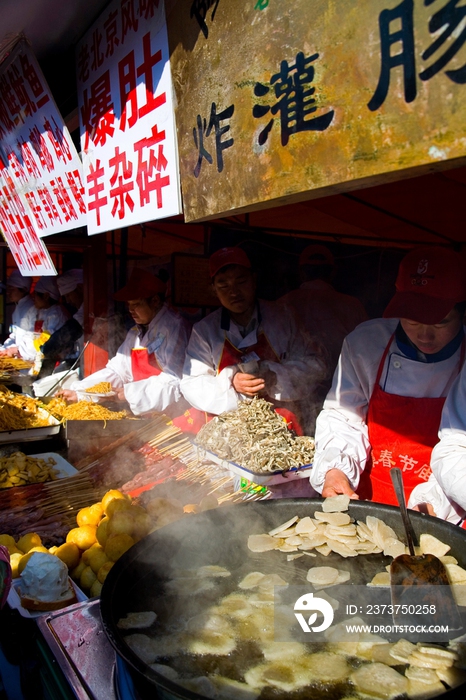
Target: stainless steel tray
[
  {"x": 32, "y": 433},
  {"x": 263, "y": 478}
]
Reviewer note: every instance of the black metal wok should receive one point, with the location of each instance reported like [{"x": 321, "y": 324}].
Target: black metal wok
[{"x": 136, "y": 582}]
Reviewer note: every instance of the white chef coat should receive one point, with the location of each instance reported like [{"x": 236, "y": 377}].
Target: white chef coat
[
  {"x": 301, "y": 363},
  {"x": 341, "y": 432},
  {"x": 20, "y": 321},
  {"x": 167, "y": 337},
  {"x": 326, "y": 313},
  {"x": 448, "y": 461},
  {"x": 53, "y": 319}
]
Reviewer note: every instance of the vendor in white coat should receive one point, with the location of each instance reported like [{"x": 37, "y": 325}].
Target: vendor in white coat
[
  {"x": 444, "y": 495},
  {"x": 388, "y": 391},
  {"x": 17, "y": 293},
  {"x": 65, "y": 343},
  {"x": 248, "y": 347},
  {"x": 147, "y": 368},
  {"x": 71, "y": 286},
  {"x": 44, "y": 318}
]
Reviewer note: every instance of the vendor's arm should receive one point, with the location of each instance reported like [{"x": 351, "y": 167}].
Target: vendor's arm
[
  {"x": 341, "y": 431},
  {"x": 107, "y": 374},
  {"x": 56, "y": 318},
  {"x": 448, "y": 459},
  {"x": 153, "y": 394},
  {"x": 430, "y": 498},
  {"x": 116, "y": 372},
  {"x": 168, "y": 341},
  {"x": 201, "y": 386}
]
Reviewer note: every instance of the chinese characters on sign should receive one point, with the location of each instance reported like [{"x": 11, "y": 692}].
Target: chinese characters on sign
[
  {"x": 126, "y": 116},
  {"x": 294, "y": 101},
  {"x": 199, "y": 9},
  {"x": 444, "y": 24},
  {"x": 203, "y": 130},
  {"x": 41, "y": 188}
]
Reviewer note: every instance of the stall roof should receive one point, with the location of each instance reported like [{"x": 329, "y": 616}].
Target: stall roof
[
  {"x": 50, "y": 25},
  {"x": 425, "y": 209}
]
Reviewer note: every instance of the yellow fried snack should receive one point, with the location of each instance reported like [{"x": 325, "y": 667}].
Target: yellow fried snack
[
  {"x": 13, "y": 364},
  {"x": 19, "y": 411},
  {"x": 100, "y": 388},
  {"x": 19, "y": 469},
  {"x": 83, "y": 410}
]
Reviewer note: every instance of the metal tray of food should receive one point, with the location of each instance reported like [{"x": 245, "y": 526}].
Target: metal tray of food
[
  {"x": 261, "y": 478},
  {"x": 28, "y": 434}
]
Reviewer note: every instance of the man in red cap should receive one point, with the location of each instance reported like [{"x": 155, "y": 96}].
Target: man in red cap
[
  {"x": 248, "y": 347},
  {"x": 384, "y": 407},
  {"x": 147, "y": 368}
]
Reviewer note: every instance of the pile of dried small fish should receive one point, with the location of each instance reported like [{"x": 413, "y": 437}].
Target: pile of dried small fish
[{"x": 257, "y": 438}]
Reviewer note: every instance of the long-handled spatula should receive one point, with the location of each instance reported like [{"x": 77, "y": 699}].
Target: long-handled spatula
[{"x": 419, "y": 582}]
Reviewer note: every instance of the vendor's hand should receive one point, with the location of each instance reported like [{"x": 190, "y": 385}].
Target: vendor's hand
[
  {"x": 12, "y": 351},
  {"x": 426, "y": 508},
  {"x": 248, "y": 384},
  {"x": 67, "y": 394},
  {"x": 336, "y": 482},
  {"x": 120, "y": 394}
]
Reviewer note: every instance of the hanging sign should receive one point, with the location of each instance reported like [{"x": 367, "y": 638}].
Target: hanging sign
[
  {"x": 126, "y": 114},
  {"x": 279, "y": 102},
  {"x": 41, "y": 189}
]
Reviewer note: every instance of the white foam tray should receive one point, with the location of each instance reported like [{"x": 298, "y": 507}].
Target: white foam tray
[{"x": 14, "y": 601}]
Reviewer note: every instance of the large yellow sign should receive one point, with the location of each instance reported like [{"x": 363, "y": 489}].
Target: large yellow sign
[{"x": 285, "y": 100}]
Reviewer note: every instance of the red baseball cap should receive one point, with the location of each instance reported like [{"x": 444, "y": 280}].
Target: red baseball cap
[
  {"x": 316, "y": 255},
  {"x": 227, "y": 256},
  {"x": 431, "y": 280},
  {"x": 141, "y": 285}
]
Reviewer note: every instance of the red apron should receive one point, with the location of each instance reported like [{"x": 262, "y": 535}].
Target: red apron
[
  {"x": 143, "y": 364},
  {"x": 193, "y": 419},
  {"x": 403, "y": 430}
]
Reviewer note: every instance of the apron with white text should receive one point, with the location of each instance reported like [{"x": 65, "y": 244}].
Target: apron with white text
[{"x": 403, "y": 430}]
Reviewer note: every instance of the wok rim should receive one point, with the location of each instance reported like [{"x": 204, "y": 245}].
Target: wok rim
[{"x": 156, "y": 679}]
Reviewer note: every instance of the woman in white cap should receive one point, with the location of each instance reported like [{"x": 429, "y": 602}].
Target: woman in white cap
[
  {"x": 17, "y": 293},
  {"x": 146, "y": 370},
  {"x": 390, "y": 385},
  {"x": 65, "y": 343},
  {"x": 45, "y": 317}
]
